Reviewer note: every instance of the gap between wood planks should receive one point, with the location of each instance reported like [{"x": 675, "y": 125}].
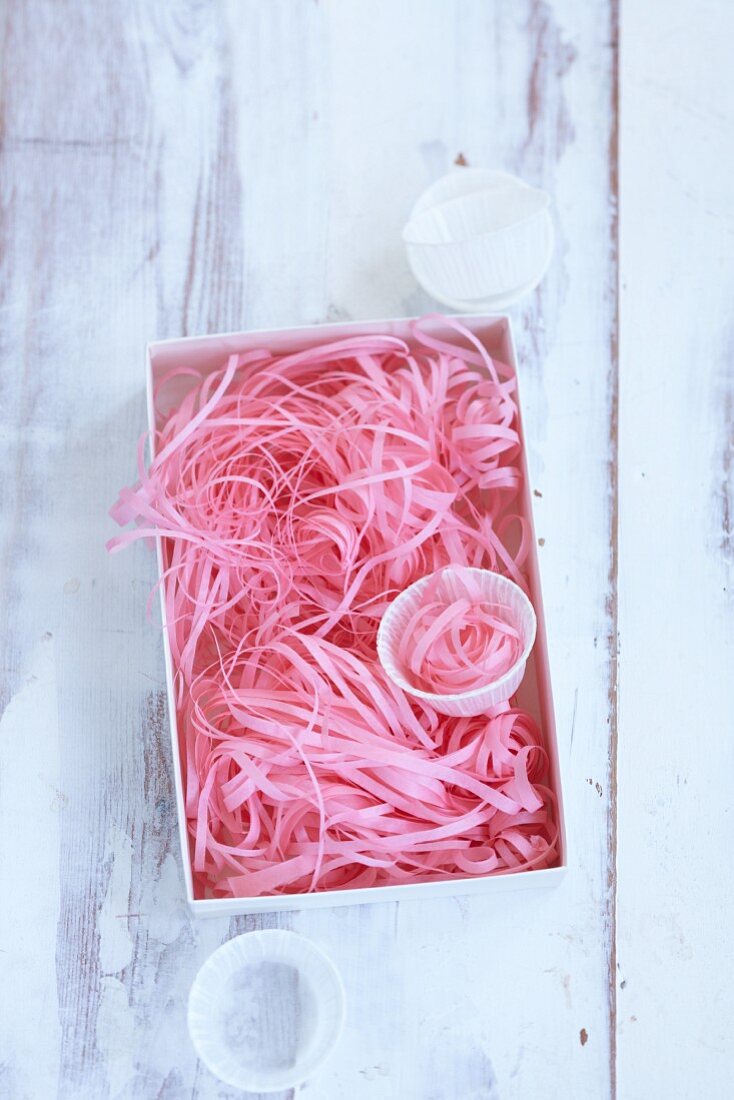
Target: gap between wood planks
[{"x": 613, "y": 589}]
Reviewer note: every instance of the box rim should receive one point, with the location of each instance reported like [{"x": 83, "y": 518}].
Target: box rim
[{"x": 543, "y": 877}]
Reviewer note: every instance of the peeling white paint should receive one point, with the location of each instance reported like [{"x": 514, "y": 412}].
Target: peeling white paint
[
  {"x": 116, "y": 1038},
  {"x": 166, "y": 921},
  {"x": 115, "y": 942},
  {"x": 29, "y": 872}
]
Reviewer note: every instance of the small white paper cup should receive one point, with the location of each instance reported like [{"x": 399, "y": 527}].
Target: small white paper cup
[
  {"x": 479, "y": 237},
  {"x": 265, "y": 1010},
  {"x": 497, "y": 590}
]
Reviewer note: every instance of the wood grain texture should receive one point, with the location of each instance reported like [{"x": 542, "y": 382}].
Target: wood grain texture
[
  {"x": 189, "y": 167},
  {"x": 676, "y": 827}
]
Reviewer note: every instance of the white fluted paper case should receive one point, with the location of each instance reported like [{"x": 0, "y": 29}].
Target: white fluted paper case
[
  {"x": 496, "y": 590},
  {"x": 479, "y": 238},
  {"x": 265, "y": 1010}
]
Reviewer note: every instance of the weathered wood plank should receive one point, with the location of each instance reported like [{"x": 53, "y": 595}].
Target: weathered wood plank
[
  {"x": 676, "y": 999},
  {"x": 536, "y": 93},
  {"x": 212, "y": 166}
]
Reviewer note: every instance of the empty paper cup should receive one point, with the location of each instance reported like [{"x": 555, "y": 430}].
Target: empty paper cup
[
  {"x": 502, "y": 598},
  {"x": 479, "y": 239},
  {"x": 265, "y": 1010}
]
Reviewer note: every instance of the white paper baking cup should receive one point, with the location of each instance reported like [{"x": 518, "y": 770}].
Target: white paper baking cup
[
  {"x": 479, "y": 239},
  {"x": 265, "y": 1010},
  {"x": 496, "y": 590}
]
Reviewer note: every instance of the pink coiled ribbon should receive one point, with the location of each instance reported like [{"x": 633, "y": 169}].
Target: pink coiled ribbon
[
  {"x": 453, "y": 647},
  {"x": 296, "y": 495}
]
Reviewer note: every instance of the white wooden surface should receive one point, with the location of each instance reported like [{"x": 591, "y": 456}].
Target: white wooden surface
[
  {"x": 676, "y": 759},
  {"x": 182, "y": 167}
]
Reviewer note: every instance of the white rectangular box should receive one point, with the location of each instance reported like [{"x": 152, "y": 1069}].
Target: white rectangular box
[{"x": 207, "y": 353}]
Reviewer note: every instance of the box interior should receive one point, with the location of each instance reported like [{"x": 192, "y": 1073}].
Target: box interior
[{"x": 202, "y": 355}]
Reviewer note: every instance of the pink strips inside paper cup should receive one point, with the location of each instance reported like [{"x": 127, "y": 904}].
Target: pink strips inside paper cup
[{"x": 459, "y": 639}]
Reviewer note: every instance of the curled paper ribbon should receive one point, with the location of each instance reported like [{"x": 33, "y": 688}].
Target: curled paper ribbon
[
  {"x": 295, "y": 496},
  {"x": 453, "y": 647}
]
